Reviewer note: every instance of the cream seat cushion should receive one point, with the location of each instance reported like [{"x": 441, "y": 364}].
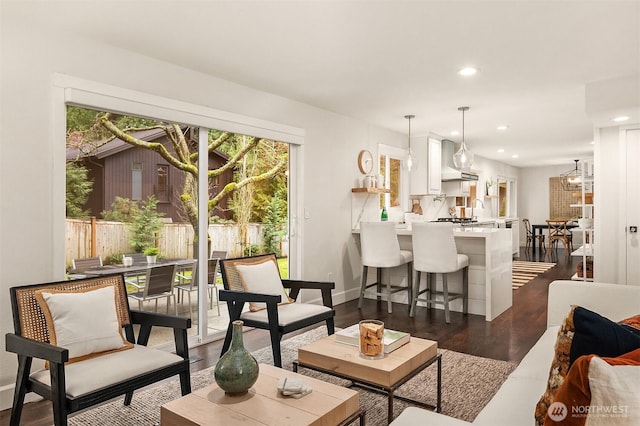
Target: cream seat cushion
[
  {"x": 287, "y": 314},
  {"x": 94, "y": 373}
]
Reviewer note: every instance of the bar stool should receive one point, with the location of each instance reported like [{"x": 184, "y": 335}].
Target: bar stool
[
  {"x": 380, "y": 249},
  {"x": 435, "y": 252}
]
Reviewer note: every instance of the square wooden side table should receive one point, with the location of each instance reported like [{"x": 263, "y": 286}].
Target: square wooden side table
[
  {"x": 384, "y": 375},
  {"x": 327, "y": 404}
]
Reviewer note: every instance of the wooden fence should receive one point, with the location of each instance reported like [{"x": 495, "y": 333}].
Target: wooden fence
[{"x": 87, "y": 238}]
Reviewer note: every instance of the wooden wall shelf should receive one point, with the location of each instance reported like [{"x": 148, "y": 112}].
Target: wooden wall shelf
[{"x": 371, "y": 190}]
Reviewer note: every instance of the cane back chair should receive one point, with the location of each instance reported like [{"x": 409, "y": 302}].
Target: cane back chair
[{"x": 73, "y": 384}]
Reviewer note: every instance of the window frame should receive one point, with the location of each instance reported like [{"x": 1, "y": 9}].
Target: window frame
[{"x": 401, "y": 154}]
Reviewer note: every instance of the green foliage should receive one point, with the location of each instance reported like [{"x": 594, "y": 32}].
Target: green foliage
[
  {"x": 129, "y": 122},
  {"x": 80, "y": 119},
  {"x": 252, "y": 250},
  {"x": 218, "y": 219},
  {"x": 145, "y": 225},
  {"x": 274, "y": 225},
  {"x": 151, "y": 251},
  {"x": 79, "y": 186},
  {"x": 122, "y": 210}
]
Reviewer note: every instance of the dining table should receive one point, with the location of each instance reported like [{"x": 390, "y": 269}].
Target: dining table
[
  {"x": 128, "y": 270},
  {"x": 538, "y": 230}
]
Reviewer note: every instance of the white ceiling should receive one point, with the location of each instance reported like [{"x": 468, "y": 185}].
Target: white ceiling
[{"x": 379, "y": 60}]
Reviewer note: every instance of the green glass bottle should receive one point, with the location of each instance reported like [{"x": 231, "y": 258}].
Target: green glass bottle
[{"x": 384, "y": 216}]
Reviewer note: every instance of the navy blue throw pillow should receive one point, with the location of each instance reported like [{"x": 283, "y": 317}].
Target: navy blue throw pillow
[{"x": 595, "y": 334}]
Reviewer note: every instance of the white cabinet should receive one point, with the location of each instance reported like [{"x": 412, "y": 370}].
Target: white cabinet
[
  {"x": 425, "y": 177},
  {"x": 456, "y": 188}
]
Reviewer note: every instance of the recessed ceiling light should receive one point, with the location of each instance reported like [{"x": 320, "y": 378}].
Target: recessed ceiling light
[
  {"x": 514, "y": 156},
  {"x": 467, "y": 71},
  {"x": 592, "y": 142},
  {"x": 502, "y": 127},
  {"x": 501, "y": 150},
  {"x": 455, "y": 133},
  {"x": 620, "y": 118}
]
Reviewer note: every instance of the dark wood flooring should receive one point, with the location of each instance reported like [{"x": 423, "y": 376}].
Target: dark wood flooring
[{"x": 509, "y": 337}]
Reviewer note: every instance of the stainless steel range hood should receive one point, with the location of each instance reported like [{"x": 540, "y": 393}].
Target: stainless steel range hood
[{"x": 449, "y": 172}]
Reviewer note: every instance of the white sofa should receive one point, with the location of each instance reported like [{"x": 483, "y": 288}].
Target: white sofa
[{"x": 514, "y": 403}]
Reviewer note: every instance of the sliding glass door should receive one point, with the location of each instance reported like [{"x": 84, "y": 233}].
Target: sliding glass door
[{"x": 200, "y": 217}]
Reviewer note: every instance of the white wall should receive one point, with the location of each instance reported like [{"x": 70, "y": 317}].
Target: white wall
[{"x": 28, "y": 170}]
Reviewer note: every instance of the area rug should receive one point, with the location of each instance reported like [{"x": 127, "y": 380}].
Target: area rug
[
  {"x": 468, "y": 383},
  {"x": 523, "y": 272}
]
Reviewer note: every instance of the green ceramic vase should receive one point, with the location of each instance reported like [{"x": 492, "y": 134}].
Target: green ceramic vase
[{"x": 237, "y": 369}]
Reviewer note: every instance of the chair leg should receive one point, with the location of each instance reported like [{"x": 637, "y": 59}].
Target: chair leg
[
  {"x": 275, "y": 348},
  {"x": 128, "y": 397},
  {"x": 465, "y": 290},
  {"x": 389, "y": 309},
  {"x": 188, "y": 297},
  {"x": 24, "y": 367},
  {"x": 58, "y": 395},
  {"x": 227, "y": 339},
  {"x": 185, "y": 383},
  {"x": 379, "y": 283},
  {"x": 445, "y": 295},
  {"x": 365, "y": 271},
  {"x": 331, "y": 329},
  {"x": 431, "y": 283},
  {"x": 409, "y": 282},
  {"x": 416, "y": 292},
  {"x": 175, "y": 305}
]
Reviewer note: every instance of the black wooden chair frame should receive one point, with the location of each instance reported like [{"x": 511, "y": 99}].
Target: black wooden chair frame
[
  {"x": 28, "y": 348},
  {"x": 236, "y": 300}
]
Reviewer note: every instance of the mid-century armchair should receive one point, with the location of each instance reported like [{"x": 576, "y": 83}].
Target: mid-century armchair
[
  {"x": 256, "y": 280},
  {"x": 91, "y": 352}
]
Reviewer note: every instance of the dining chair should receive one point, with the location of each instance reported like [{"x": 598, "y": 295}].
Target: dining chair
[
  {"x": 531, "y": 236},
  {"x": 85, "y": 263},
  {"x": 186, "y": 282},
  {"x": 558, "y": 232},
  {"x": 136, "y": 278},
  {"x": 435, "y": 252},
  {"x": 381, "y": 250},
  {"x": 214, "y": 275},
  {"x": 158, "y": 284}
]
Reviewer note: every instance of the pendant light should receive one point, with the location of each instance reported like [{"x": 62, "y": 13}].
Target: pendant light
[
  {"x": 411, "y": 162},
  {"x": 463, "y": 158},
  {"x": 572, "y": 180}
]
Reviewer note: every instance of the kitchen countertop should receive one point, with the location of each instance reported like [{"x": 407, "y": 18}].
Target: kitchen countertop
[
  {"x": 489, "y": 251},
  {"x": 461, "y": 231}
]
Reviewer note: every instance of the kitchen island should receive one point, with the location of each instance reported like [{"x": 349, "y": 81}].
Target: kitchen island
[{"x": 490, "y": 254}]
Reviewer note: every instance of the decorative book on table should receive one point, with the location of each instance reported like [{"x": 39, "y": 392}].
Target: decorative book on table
[{"x": 392, "y": 339}]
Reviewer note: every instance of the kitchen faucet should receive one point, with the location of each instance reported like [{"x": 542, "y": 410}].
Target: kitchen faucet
[{"x": 473, "y": 204}]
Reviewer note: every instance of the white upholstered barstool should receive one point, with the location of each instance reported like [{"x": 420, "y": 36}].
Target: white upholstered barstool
[
  {"x": 380, "y": 249},
  {"x": 435, "y": 252}
]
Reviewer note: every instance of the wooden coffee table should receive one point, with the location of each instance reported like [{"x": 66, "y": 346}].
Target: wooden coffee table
[
  {"x": 385, "y": 375},
  {"x": 327, "y": 404}
]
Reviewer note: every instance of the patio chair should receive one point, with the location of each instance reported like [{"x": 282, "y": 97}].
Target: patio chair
[
  {"x": 186, "y": 282},
  {"x": 256, "y": 280},
  {"x": 83, "y": 370},
  {"x": 158, "y": 284},
  {"x": 214, "y": 274},
  {"x": 81, "y": 265},
  {"x": 136, "y": 278}
]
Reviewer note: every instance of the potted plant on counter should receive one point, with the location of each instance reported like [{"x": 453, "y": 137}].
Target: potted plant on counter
[{"x": 152, "y": 254}]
